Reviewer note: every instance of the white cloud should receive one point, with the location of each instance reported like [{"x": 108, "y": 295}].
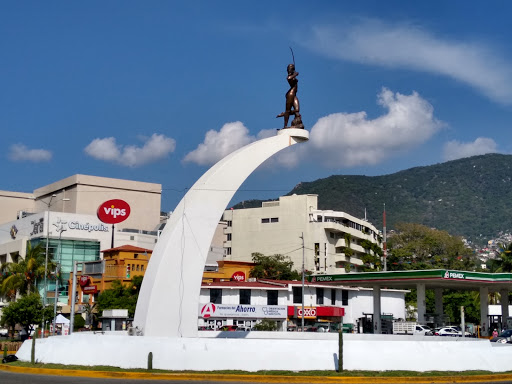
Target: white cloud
[
  {"x": 350, "y": 139},
  {"x": 154, "y": 149},
  {"x": 20, "y": 152},
  {"x": 340, "y": 140},
  {"x": 455, "y": 150},
  {"x": 217, "y": 145},
  {"x": 408, "y": 46}
]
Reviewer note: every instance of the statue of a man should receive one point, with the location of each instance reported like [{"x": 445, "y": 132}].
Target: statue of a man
[{"x": 292, "y": 102}]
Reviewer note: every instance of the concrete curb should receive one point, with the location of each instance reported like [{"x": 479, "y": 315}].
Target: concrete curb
[{"x": 254, "y": 378}]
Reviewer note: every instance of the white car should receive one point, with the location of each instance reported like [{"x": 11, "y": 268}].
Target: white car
[
  {"x": 448, "y": 331},
  {"x": 423, "y": 330},
  {"x": 4, "y": 332}
]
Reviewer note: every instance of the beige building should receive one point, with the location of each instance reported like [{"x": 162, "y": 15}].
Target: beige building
[
  {"x": 83, "y": 194},
  {"x": 333, "y": 242}
]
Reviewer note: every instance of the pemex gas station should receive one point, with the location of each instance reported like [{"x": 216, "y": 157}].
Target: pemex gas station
[{"x": 434, "y": 279}]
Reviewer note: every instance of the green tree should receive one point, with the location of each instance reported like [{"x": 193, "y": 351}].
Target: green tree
[
  {"x": 276, "y": 267},
  {"x": 79, "y": 322},
  {"x": 265, "y": 325},
  {"x": 21, "y": 277},
  {"x": 121, "y": 296},
  {"x": 415, "y": 246},
  {"x": 503, "y": 263},
  {"x": 26, "y": 311}
]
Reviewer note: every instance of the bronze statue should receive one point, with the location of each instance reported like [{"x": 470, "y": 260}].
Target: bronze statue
[{"x": 291, "y": 99}]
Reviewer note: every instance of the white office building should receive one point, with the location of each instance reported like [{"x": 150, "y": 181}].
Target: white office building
[
  {"x": 331, "y": 242},
  {"x": 230, "y": 304},
  {"x": 64, "y": 216}
]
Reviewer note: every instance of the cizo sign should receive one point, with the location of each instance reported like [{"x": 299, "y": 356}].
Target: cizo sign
[
  {"x": 309, "y": 312},
  {"x": 113, "y": 211}
]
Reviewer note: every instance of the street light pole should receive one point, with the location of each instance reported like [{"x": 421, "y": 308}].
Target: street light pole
[
  {"x": 302, "y": 320},
  {"x": 46, "y": 259},
  {"x": 60, "y": 229},
  {"x": 45, "y": 287}
]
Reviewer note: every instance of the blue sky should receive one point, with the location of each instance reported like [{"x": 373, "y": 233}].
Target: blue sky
[{"x": 159, "y": 91}]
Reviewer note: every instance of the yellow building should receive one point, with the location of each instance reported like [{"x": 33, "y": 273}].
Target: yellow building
[
  {"x": 125, "y": 262},
  {"x": 229, "y": 271},
  {"x": 121, "y": 263}
]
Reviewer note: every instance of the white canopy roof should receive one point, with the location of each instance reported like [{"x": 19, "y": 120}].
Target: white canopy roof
[{"x": 61, "y": 320}]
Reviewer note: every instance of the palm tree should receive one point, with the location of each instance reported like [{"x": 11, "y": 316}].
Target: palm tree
[
  {"x": 21, "y": 277},
  {"x": 504, "y": 262}
]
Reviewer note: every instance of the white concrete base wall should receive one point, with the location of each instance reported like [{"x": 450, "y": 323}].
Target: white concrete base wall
[{"x": 257, "y": 351}]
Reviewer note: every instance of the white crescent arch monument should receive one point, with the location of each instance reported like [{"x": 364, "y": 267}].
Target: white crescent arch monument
[{"x": 168, "y": 303}]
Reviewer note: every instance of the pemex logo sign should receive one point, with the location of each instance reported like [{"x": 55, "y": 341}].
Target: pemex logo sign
[
  {"x": 114, "y": 211},
  {"x": 208, "y": 310}
]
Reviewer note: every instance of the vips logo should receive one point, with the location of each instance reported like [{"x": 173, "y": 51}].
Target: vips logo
[
  {"x": 208, "y": 310},
  {"x": 113, "y": 211},
  {"x": 84, "y": 281},
  {"x": 238, "y": 276}
]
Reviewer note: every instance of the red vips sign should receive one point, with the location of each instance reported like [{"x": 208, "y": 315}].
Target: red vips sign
[
  {"x": 113, "y": 211},
  {"x": 84, "y": 281},
  {"x": 238, "y": 276}
]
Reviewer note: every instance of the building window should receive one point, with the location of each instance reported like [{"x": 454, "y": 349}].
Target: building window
[
  {"x": 265, "y": 221},
  {"x": 229, "y": 236},
  {"x": 132, "y": 237},
  {"x": 344, "y": 297},
  {"x": 297, "y": 295},
  {"x": 331, "y": 234},
  {"x": 274, "y": 220},
  {"x": 245, "y": 296},
  {"x": 272, "y": 297},
  {"x": 333, "y": 296},
  {"x": 135, "y": 255},
  {"x": 228, "y": 251},
  {"x": 216, "y": 296},
  {"x": 230, "y": 223},
  {"x": 142, "y": 268},
  {"x": 320, "y": 296},
  {"x": 138, "y": 267}
]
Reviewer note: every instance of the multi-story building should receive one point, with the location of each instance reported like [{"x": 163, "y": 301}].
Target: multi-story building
[
  {"x": 227, "y": 304},
  {"x": 121, "y": 263},
  {"x": 63, "y": 217},
  {"x": 328, "y": 241}
]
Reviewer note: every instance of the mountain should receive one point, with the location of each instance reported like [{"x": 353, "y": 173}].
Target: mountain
[{"x": 470, "y": 197}]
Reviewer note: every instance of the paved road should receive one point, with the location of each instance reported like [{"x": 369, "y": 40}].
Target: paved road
[{"x": 22, "y": 378}]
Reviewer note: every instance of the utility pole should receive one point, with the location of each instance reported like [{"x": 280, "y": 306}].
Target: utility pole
[
  {"x": 384, "y": 243},
  {"x": 60, "y": 229},
  {"x": 46, "y": 262},
  {"x": 302, "y": 320},
  {"x": 73, "y": 298}
]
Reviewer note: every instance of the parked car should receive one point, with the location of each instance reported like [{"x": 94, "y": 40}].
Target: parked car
[
  {"x": 447, "y": 331},
  {"x": 4, "y": 332},
  {"x": 423, "y": 330},
  {"x": 503, "y": 337}
]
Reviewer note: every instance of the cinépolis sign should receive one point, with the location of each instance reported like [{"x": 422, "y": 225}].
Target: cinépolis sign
[{"x": 88, "y": 226}]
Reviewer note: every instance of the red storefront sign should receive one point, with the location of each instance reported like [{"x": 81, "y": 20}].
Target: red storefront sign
[
  {"x": 314, "y": 312},
  {"x": 238, "y": 276},
  {"x": 90, "y": 289},
  {"x": 84, "y": 281}
]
